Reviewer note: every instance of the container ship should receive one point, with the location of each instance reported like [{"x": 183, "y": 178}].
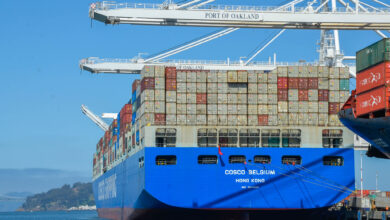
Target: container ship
[
  {"x": 230, "y": 140},
  {"x": 367, "y": 111}
]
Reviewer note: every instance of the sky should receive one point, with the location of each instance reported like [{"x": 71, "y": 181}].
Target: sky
[{"x": 42, "y": 87}]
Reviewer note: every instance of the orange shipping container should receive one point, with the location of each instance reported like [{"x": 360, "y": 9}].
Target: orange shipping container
[
  {"x": 303, "y": 95},
  {"x": 282, "y": 83},
  {"x": 373, "y": 100},
  {"x": 373, "y": 77},
  {"x": 263, "y": 119},
  {"x": 293, "y": 83},
  {"x": 170, "y": 72}
]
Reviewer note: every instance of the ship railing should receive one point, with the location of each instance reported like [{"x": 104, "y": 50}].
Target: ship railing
[{"x": 111, "y": 5}]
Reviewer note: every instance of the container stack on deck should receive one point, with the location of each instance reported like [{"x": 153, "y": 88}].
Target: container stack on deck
[{"x": 373, "y": 80}]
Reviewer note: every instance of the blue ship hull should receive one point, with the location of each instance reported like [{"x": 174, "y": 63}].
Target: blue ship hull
[
  {"x": 132, "y": 188},
  {"x": 375, "y": 131}
]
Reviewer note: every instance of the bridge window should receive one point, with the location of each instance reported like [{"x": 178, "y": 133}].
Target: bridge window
[
  {"x": 166, "y": 137},
  {"x": 292, "y": 160},
  {"x": 207, "y": 159},
  {"x": 333, "y": 161},
  {"x": 237, "y": 159},
  {"x": 291, "y": 138},
  {"x": 332, "y": 138},
  {"x": 207, "y": 137},
  {"x": 264, "y": 159},
  {"x": 228, "y": 137},
  {"x": 249, "y": 138},
  {"x": 166, "y": 160},
  {"x": 270, "y": 138}
]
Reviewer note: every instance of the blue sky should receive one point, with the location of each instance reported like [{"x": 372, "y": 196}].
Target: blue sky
[{"x": 42, "y": 87}]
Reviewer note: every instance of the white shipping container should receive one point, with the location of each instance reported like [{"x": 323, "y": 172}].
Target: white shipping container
[
  {"x": 272, "y": 99},
  {"x": 148, "y": 107},
  {"x": 242, "y": 99},
  {"x": 159, "y": 83},
  {"x": 222, "y": 109},
  {"x": 159, "y": 71},
  {"x": 242, "y": 120},
  {"x": 232, "y": 88},
  {"x": 344, "y": 95},
  {"x": 212, "y": 77},
  {"x": 323, "y": 83},
  {"x": 282, "y": 106},
  {"x": 293, "y": 71},
  {"x": 272, "y": 77},
  {"x": 262, "y": 77},
  {"x": 282, "y": 71},
  {"x": 293, "y": 119},
  {"x": 191, "y": 98},
  {"x": 191, "y": 87},
  {"x": 243, "y": 89},
  {"x": 181, "y": 98},
  {"x": 222, "y": 98},
  {"x": 313, "y": 95},
  {"x": 344, "y": 72},
  {"x": 253, "y": 120},
  {"x": 272, "y": 120},
  {"x": 252, "y": 98},
  {"x": 201, "y": 77},
  {"x": 159, "y": 107},
  {"x": 191, "y": 119},
  {"x": 334, "y": 120},
  {"x": 252, "y": 88},
  {"x": 181, "y": 109},
  {"x": 181, "y": 77},
  {"x": 212, "y": 120},
  {"x": 312, "y": 71},
  {"x": 170, "y": 96},
  {"x": 262, "y": 109},
  {"x": 212, "y": 98},
  {"x": 222, "y": 77},
  {"x": 252, "y": 109},
  {"x": 181, "y": 119},
  {"x": 232, "y": 98},
  {"x": 201, "y": 87},
  {"x": 303, "y": 106},
  {"x": 201, "y": 109},
  {"x": 191, "y": 109},
  {"x": 252, "y": 76},
  {"x": 191, "y": 77},
  {"x": 323, "y": 107},
  {"x": 334, "y": 84},
  {"x": 303, "y": 118},
  {"x": 181, "y": 87},
  {"x": 222, "y": 87},
  {"x": 242, "y": 76},
  {"x": 313, "y": 119},
  {"x": 147, "y": 95},
  {"x": 334, "y": 96},
  {"x": 147, "y": 71},
  {"x": 262, "y": 98},
  {"x": 232, "y": 76},
  {"x": 282, "y": 119},
  {"x": 170, "y": 108},
  {"x": 147, "y": 119},
  {"x": 222, "y": 120},
  {"x": 323, "y": 119},
  {"x": 262, "y": 88},
  {"x": 293, "y": 94},
  {"x": 293, "y": 106},
  {"x": 272, "y": 88},
  {"x": 302, "y": 71},
  {"x": 159, "y": 95},
  {"x": 232, "y": 109},
  {"x": 273, "y": 109},
  {"x": 212, "y": 88},
  {"x": 334, "y": 72},
  {"x": 232, "y": 120},
  {"x": 323, "y": 71},
  {"x": 201, "y": 119},
  {"x": 313, "y": 107},
  {"x": 212, "y": 109},
  {"x": 242, "y": 109}
]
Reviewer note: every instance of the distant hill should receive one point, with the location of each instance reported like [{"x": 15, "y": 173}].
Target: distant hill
[{"x": 80, "y": 194}]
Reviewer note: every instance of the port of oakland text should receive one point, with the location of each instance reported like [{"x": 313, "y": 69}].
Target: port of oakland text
[
  {"x": 107, "y": 188},
  {"x": 233, "y": 16},
  {"x": 250, "y": 172}
]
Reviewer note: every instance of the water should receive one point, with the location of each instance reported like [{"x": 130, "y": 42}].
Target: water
[{"x": 51, "y": 215}]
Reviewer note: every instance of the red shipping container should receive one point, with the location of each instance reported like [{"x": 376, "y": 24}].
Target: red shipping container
[
  {"x": 262, "y": 119},
  {"x": 135, "y": 84},
  {"x": 147, "y": 83},
  {"x": 293, "y": 83},
  {"x": 282, "y": 83},
  {"x": 323, "y": 95},
  {"x": 334, "y": 107},
  {"x": 313, "y": 83},
  {"x": 282, "y": 94},
  {"x": 159, "y": 119},
  {"x": 170, "y": 85},
  {"x": 201, "y": 98},
  {"x": 373, "y": 77},
  {"x": 125, "y": 119},
  {"x": 373, "y": 100},
  {"x": 133, "y": 140},
  {"x": 170, "y": 72},
  {"x": 303, "y": 83},
  {"x": 303, "y": 95}
]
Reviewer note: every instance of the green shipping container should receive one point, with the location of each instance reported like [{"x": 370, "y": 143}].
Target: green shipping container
[
  {"x": 344, "y": 84},
  {"x": 373, "y": 54}
]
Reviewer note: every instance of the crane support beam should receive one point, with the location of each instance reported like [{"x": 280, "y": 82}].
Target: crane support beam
[
  {"x": 241, "y": 16},
  {"x": 96, "y": 119}
]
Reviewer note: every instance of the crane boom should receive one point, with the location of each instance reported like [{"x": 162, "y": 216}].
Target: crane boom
[{"x": 96, "y": 119}]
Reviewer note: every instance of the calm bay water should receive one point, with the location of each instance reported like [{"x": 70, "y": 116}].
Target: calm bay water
[{"x": 56, "y": 215}]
